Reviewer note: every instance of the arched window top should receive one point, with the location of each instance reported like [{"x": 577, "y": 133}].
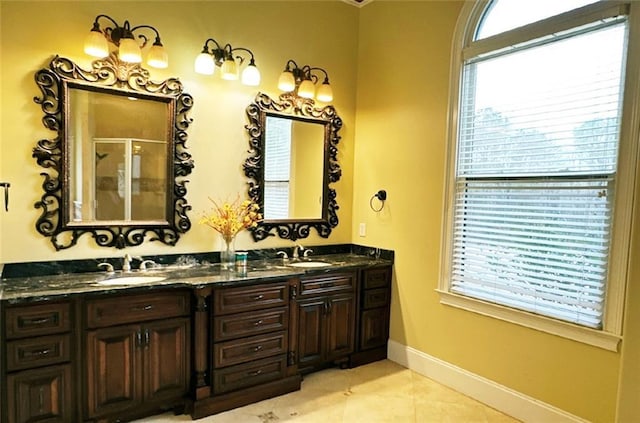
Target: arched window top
[{"x": 504, "y": 15}]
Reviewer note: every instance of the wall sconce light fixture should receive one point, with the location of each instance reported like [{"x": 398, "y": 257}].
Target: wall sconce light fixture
[
  {"x": 223, "y": 57},
  {"x": 304, "y": 79},
  {"x": 97, "y": 43}
]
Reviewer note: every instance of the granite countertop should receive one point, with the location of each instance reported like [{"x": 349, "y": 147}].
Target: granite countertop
[{"x": 37, "y": 288}]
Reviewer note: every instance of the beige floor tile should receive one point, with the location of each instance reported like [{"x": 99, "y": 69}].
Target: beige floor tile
[{"x": 380, "y": 392}]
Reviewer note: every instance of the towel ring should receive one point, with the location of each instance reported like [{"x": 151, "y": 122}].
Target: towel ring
[{"x": 380, "y": 195}]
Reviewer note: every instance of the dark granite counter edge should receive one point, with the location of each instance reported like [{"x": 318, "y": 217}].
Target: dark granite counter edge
[
  {"x": 55, "y": 287},
  {"x": 55, "y": 267}
]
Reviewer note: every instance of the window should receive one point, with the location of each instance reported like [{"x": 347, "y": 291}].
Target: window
[
  {"x": 276, "y": 176},
  {"x": 537, "y": 195}
]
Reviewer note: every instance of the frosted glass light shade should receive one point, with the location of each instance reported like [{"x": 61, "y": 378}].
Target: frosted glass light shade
[
  {"x": 96, "y": 45},
  {"x": 286, "y": 82},
  {"x": 251, "y": 76},
  {"x": 325, "y": 93},
  {"x": 157, "y": 57},
  {"x": 129, "y": 51},
  {"x": 204, "y": 64},
  {"x": 306, "y": 89},
  {"x": 229, "y": 70}
]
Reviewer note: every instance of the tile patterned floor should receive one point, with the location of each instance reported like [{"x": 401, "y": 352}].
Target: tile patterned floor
[{"x": 380, "y": 392}]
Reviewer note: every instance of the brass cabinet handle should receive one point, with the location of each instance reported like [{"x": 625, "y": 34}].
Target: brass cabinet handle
[
  {"x": 257, "y": 323},
  {"x": 258, "y": 297},
  {"x": 255, "y": 373}
]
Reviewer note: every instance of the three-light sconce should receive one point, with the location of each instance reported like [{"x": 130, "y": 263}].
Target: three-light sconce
[
  {"x": 301, "y": 79},
  {"x": 129, "y": 50},
  {"x": 213, "y": 55},
  {"x": 304, "y": 80}
]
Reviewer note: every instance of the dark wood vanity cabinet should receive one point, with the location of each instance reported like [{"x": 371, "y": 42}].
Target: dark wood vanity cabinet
[
  {"x": 373, "y": 315},
  {"x": 117, "y": 356},
  {"x": 249, "y": 346},
  {"x": 137, "y": 354},
  {"x": 326, "y": 320},
  {"x": 38, "y": 363}
]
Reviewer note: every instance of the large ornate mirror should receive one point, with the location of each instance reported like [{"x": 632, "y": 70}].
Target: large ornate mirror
[
  {"x": 119, "y": 156},
  {"x": 291, "y": 165}
]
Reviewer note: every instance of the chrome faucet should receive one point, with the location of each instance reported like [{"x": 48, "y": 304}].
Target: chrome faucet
[
  {"x": 143, "y": 264},
  {"x": 126, "y": 263},
  {"x": 296, "y": 251},
  {"x": 283, "y": 254},
  {"x": 107, "y": 266}
]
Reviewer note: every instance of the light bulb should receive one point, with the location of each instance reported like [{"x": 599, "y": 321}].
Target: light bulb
[
  {"x": 229, "y": 70},
  {"x": 129, "y": 51},
  {"x": 96, "y": 45},
  {"x": 157, "y": 57},
  {"x": 204, "y": 64},
  {"x": 286, "y": 82},
  {"x": 251, "y": 75},
  {"x": 325, "y": 93},
  {"x": 306, "y": 89}
]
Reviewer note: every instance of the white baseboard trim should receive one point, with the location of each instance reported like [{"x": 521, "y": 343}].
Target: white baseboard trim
[{"x": 506, "y": 400}]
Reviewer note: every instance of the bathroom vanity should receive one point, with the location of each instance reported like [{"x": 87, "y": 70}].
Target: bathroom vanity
[{"x": 200, "y": 340}]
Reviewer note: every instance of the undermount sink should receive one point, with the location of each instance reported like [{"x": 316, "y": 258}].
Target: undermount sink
[
  {"x": 132, "y": 280},
  {"x": 309, "y": 264}
]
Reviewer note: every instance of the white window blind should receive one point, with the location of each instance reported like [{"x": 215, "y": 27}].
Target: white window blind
[
  {"x": 277, "y": 157},
  {"x": 538, "y": 136}
]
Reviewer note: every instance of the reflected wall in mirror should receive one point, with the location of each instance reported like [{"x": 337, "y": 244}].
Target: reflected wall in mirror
[
  {"x": 119, "y": 157},
  {"x": 292, "y": 162}
]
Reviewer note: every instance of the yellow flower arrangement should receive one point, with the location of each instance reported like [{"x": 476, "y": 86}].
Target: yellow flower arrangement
[{"x": 230, "y": 218}]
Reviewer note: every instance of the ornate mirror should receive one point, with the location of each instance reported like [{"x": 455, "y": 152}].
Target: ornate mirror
[
  {"x": 118, "y": 160},
  {"x": 291, "y": 165}
]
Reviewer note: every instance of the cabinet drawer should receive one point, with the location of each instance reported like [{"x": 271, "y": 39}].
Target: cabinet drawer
[
  {"x": 234, "y": 300},
  {"x": 327, "y": 284},
  {"x": 375, "y": 298},
  {"x": 41, "y": 319},
  {"x": 35, "y": 352},
  {"x": 40, "y": 395},
  {"x": 377, "y": 278},
  {"x": 251, "y": 323},
  {"x": 136, "y": 308},
  {"x": 249, "y": 374},
  {"x": 247, "y": 349}
]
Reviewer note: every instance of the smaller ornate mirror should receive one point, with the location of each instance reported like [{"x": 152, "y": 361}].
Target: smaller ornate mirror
[
  {"x": 118, "y": 157},
  {"x": 291, "y": 165}
]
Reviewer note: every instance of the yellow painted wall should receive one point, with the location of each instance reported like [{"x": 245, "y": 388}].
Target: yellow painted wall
[
  {"x": 307, "y": 174},
  {"x": 390, "y": 56},
  {"x": 318, "y": 33},
  {"x": 403, "y": 82}
]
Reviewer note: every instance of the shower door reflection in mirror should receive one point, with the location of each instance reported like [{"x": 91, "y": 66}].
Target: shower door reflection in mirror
[{"x": 118, "y": 148}]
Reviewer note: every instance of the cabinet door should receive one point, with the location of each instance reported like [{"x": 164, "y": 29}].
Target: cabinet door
[
  {"x": 374, "y": 328},
  {"x": 311, "y": 316},
  {"x": 166, "y": 359},
  {"x": 40, "y": 395},
  {"x": 340, "y": 325},
  {"x": 114, "y": 379}
]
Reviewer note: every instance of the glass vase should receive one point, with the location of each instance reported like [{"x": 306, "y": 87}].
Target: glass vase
[{"x": 227, "y": 255}]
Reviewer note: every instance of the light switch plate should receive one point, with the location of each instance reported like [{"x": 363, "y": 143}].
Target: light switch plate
[{"x": 362, "y": 231}]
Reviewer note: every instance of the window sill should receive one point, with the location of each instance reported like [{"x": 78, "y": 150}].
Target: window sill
[{"x": 604, "y": 340}]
